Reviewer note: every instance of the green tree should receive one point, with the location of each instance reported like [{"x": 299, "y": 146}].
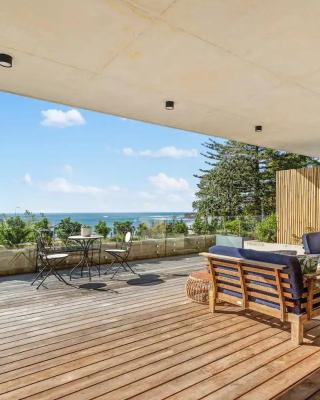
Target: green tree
[
  {"x": 102, "y": 229},
  {"x": 66, "y": 228},
  {"x": 240, "y": 179},
  {"x": 142, "y": 230},
  {"x": 176, "y": 227},
  {"x": 180, "y": 227},
  {"x": 121, "y": 228},
  {"x": 14, "y": 231},
  {"x": 37, "y": 225},
  {"x": 158, "y": 228},
  {"x": 42, "y": 223},
  {"x": 199, "y": 225}
]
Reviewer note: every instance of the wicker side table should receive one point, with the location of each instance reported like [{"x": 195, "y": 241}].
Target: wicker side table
[{"x": 197, "y": 287}]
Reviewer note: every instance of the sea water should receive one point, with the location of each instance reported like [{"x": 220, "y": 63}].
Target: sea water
[{"x": 136, "y": 218}]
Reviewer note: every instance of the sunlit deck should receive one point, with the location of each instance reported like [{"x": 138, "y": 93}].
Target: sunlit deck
[{"x": 141, "y": 338}]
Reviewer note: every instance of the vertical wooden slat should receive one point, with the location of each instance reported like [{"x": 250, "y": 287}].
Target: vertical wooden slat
[
  {"x": 280, "y": 293},
  {"x": 213, "y": 289},
  {"x": 310, "y": 297},
  {"x": 243, "y": 286},
  {"x": 297, "y": 203}
]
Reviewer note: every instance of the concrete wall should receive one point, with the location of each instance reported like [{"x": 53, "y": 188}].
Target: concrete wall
[
  {"x": 262, "y": 246},
  {"x": 15, "y": 261}
]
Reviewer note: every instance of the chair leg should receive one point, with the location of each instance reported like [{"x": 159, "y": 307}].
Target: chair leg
[
  {"x": 297, "y": 331},
  {"x": 109, "y": 267},
  {"x": 117, "y": 270},
  {"x": 38, "y": 275},
  {"x": 59, "y": 276},
  {"x": 130, "y": 268},
  {"x": 45, "y": 277},
  {"x": 212, "y": 300}
]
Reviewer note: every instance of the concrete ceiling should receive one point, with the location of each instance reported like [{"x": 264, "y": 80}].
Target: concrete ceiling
[{"x": 228, "y": 64}]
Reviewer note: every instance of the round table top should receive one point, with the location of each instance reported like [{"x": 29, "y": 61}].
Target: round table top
[{"x": 79, "y": 237}]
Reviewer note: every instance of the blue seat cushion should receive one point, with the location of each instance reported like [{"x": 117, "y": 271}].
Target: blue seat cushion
[{"x": 311, "y": 242}]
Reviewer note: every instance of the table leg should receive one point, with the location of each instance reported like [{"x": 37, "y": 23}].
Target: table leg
[
  {"x": 85, "y": 261},
  {"x": 80, "y": 263}
]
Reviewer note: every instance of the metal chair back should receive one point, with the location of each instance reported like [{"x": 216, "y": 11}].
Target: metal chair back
[
  {"x": 43, "y": 241},
  {"x": 121, "y": 255},
  {"x": 47, "y": 258},
  {"x": 127, "y": 242}
]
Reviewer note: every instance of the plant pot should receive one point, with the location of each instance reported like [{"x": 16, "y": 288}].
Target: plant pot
[{"x": 86, "y": 231}]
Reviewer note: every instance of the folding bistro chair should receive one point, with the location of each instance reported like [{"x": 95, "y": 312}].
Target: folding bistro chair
[
  {"x": 120, "y": 255},
  {"x": 47, "y": 260}
]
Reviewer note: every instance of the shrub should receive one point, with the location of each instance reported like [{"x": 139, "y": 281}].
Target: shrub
[
  {"x": 308, "y": 264},
  {"x": 242, "y": 226},
  {"x": 202, "y": 227},
  {"x": 42, "y": 223},
  {"x": 102, "y": 229},
  {"x": 36, "y": 226},
  {"x": 199, "y": 226},
  {"x": 121, "y": 228},
  {"x": 14, "y": 231},
  {"x": 158, "y": 228},
  {"x": 233, "y": 226},
  {"x": 177, "y": 227},
  {"x": 180, "y": 227},
  {"x": 142, "y": 230},
  {"x": 66, "y": 227},
  {"x": 266, "y": 230}
]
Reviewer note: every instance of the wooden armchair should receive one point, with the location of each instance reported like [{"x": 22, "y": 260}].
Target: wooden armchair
[
  {"x": 270, "y": 288},
  {"x": 312, "y": 290}
]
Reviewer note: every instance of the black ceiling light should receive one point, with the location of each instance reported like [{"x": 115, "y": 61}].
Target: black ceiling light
[
  {"x": 5, "y": 61},
  {"x": 169, "y": 105},
  {"x": 258, "y": 128}
]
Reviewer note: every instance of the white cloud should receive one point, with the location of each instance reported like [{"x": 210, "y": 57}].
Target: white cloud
[
  {"x": 167, "y": 183},
  {"x": 62, "y": 185},
  {"x": 170, "y": 201},
  {"x": 114, "y": 188},
  {"x": 128, "y": 151},
  {"x": 68, "y": 169},
  {"x": 27, "y": 179},
  {"x": 62, "y": 119},
  {"x": 163, "y": 152}
]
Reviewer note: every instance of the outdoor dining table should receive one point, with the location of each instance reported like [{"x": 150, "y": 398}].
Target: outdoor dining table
[{"x": 85, "y": 243}]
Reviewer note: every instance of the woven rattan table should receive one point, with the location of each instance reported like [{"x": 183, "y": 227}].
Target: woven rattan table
[{"x": 197, "y": 287}]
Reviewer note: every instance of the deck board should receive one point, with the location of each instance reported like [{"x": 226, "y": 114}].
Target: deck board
[{"x": 140, "y": 338}]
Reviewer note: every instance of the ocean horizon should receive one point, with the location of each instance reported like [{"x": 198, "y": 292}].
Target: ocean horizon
[{"x": 92, "y": 219}]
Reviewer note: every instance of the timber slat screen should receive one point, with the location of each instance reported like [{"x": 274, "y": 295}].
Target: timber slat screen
[{"x": 298, "y": 203}]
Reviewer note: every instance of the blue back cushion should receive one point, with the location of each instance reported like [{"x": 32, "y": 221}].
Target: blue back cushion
[
  {"x": 292, "y": 263},
  {"x": 311, "y": 242}
]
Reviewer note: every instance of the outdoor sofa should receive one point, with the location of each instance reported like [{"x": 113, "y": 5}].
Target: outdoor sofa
[{"x": 266, "y": 282}]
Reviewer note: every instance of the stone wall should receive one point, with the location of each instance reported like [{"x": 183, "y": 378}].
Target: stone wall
[{"x": 16, "y": 261}]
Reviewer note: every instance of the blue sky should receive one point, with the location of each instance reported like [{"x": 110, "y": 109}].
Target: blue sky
[{"x": 58, "y": 159}]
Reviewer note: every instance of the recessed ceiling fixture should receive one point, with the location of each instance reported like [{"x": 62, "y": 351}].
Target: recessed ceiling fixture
[
  {"x": 5, "y": 60},
  {"x": 258, "y": 128},
  {"x": 169, "y": 105}
]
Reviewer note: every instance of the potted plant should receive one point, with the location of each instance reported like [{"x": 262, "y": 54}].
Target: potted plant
[{"x": 86, "y": 230}]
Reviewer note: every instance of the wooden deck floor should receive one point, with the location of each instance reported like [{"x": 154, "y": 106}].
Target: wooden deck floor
[{"x": 139, "y": 338}]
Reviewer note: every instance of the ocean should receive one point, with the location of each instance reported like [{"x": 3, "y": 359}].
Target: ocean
[{"x": 92, "y": 219}]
